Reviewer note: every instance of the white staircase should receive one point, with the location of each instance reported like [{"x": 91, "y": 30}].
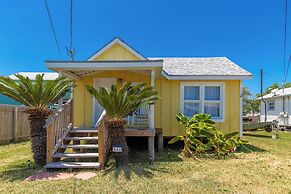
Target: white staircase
[{"x": 79, "y": 149}]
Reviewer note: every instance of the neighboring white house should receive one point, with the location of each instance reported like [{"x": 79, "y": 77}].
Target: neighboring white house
[
  {"x": 32, "y": 75},
  {"x": 278, "y": 106}
]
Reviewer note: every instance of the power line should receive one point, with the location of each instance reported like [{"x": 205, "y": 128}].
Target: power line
[
  {"x": 273, "y": 77},
  {"x": 285, "y": 78},
  {"x": 285, "y": 36},
  {"x": 71, "y": 23},
  {"x": 53, "y": 29}
]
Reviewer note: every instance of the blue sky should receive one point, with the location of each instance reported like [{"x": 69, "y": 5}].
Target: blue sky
[{"x": 248, "y": 32}]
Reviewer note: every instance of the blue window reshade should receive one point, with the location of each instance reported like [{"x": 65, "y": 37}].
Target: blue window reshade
[
  {"x": 212, "y": 109},
  {"x": 191, "y": 109},
  {"x": 212, "y": 92},
  {"x": 191, "y": 93}
]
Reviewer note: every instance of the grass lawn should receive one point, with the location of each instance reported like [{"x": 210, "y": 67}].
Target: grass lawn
[{"x": 266, "y": 170}]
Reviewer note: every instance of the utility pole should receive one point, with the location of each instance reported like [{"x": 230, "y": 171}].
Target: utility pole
[
  {"x": 71, "y": 51},
  {"x": 261, "y": 83}
]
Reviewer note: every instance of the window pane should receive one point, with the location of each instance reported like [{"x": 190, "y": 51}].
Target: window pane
[
  {"x": 212, "y": 109},
  {"x": 191, "y": 93},
  {"x": 191, "y": 109},
  {"x": 271, "y": 105},
  {"x": 212, "y": 92}
]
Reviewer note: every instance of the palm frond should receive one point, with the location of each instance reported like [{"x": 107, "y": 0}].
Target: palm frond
[
  {"x": 121, "y": 102},
  {"x": 37, "y": 93}
]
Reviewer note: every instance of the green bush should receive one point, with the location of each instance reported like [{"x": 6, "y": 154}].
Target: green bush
[{"x": 202, "y": 137}]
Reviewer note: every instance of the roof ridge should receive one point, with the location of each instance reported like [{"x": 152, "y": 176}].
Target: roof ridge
[{"x": 187, "y": 57}]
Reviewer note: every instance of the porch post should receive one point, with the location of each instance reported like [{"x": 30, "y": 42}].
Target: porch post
[
  {"x": 60, "y": 102},
  {"x": 151, "y": 139},
  {"x": 152, "y": 107},
  {"x": 241, "y": 111}
]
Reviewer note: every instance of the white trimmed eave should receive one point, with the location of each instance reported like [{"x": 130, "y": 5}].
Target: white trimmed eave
[
  {"x": 206, "y": 77},
  {"x": 122, "y": 43},
  {"x": 69, "y": 68}
]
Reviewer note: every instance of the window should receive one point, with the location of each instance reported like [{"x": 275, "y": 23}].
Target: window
[
  {"x": 202, "y": 98},
  {"x": 271, "y": 105}
]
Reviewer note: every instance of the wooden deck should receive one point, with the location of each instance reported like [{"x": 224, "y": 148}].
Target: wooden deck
[
  {"x": 150, "y": 133},
  {"x": 133, "y": 132}
]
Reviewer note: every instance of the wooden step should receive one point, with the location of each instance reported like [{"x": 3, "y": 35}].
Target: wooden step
[
  {"x": 77, "y": 130},
  {"x": 76, "y": 155},
  {"x": 81, "y": 138},
  {"x": 53, "y": 165},
  {"x": 87, "y": 146}
]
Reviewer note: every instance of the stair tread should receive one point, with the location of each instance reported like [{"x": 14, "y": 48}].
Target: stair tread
[
  {"x": 76, "y": 130},
  {"x": 72, "y": 165},
  {"x": 81, "y": 138},
  {"x": 79, "y": 146},
  {"x": 75, "y": 155}
]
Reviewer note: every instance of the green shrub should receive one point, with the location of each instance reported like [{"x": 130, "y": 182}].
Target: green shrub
[{"x": 202, "y": 137}]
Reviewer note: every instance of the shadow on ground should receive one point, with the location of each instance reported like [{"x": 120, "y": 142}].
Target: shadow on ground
[
  {"x": 16, "y": 172},
  {"x": 140, "y": 165},
  {"x": 257, "y": 135},
  {"x": 247, "y": 148}
]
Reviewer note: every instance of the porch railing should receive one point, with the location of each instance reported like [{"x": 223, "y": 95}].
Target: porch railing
[{"x": 57, "y": 127}]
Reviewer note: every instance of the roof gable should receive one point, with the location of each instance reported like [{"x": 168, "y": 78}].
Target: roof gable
[{"x": 114, "y": 48}]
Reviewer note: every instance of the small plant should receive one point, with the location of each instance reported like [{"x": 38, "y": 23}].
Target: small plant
[
  {"x": 198, "y": 128},
  {"x": 224, "y": 144},
  {"x": 202, "y": 137}
]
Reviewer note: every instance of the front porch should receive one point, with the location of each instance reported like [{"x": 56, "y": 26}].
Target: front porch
[
  {"x": 88, "y": 115},
  {"x": 70, "y": 147}
]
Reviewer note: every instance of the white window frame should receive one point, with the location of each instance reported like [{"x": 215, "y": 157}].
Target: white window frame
[
  {"x": 271, "y": 101},
  {"x": 201, "y": 100}
]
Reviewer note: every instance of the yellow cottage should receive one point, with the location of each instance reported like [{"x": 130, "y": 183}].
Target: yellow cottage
[{"x": 186, "y": 85}]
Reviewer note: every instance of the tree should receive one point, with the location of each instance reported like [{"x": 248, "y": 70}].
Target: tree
[
  {"x": 249, "y": 105},
  {"x": 270, "y": 88},
  {"x": 36, "y": 95},
  {"x": 119, "y": 103}
]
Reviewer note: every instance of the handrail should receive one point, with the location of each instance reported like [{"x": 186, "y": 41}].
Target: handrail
[
  {"x": 57, "y": 127},
  {"x": 103, "y": 139},
  {"x": 100, "y": 119}
]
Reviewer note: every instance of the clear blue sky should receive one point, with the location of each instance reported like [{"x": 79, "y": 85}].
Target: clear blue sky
[{"x": 248, "y": 32}]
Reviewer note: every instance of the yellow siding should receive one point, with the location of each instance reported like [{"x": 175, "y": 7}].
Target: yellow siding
[
  {"x": 170, "y": 106},
  {"x": 169, "y": 90},
  {"x": 116, "y": 52}
]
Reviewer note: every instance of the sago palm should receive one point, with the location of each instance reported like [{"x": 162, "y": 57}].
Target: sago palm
[
  {"x": 119, "y": 103},
  {"x": 36, "y": 95}
]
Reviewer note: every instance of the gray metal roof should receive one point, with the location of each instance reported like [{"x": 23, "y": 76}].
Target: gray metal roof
[
  {"x": 210, "y": 66},
  {"x": 275, "y": 93}
]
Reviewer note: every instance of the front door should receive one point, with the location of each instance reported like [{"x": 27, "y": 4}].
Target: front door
[{"x": 97, "y": 109}]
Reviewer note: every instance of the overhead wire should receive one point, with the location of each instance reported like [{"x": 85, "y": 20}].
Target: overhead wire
[
  {"x": 285, "y": 70},
  {"x": 53, "y": 29}
]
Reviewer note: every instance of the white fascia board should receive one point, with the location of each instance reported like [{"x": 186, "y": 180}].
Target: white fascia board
[
  {"x": 117, "y": 40},
  {"x": 206, "y": 77},
  {"x": 273, "y": 97},
  {"x": 104, "y": 65}
]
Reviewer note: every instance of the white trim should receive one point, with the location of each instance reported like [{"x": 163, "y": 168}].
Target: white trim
[
  {"x": 103, "y": 65},
  {"x": 201, "y": 98},
  {"x": 94, "y": 101},
  {"x": 241, "y": 110},
  {"x": 117, "y": 40},
  {"x": 206, "y": 77},
  {"x": 272, "y": 101}
]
